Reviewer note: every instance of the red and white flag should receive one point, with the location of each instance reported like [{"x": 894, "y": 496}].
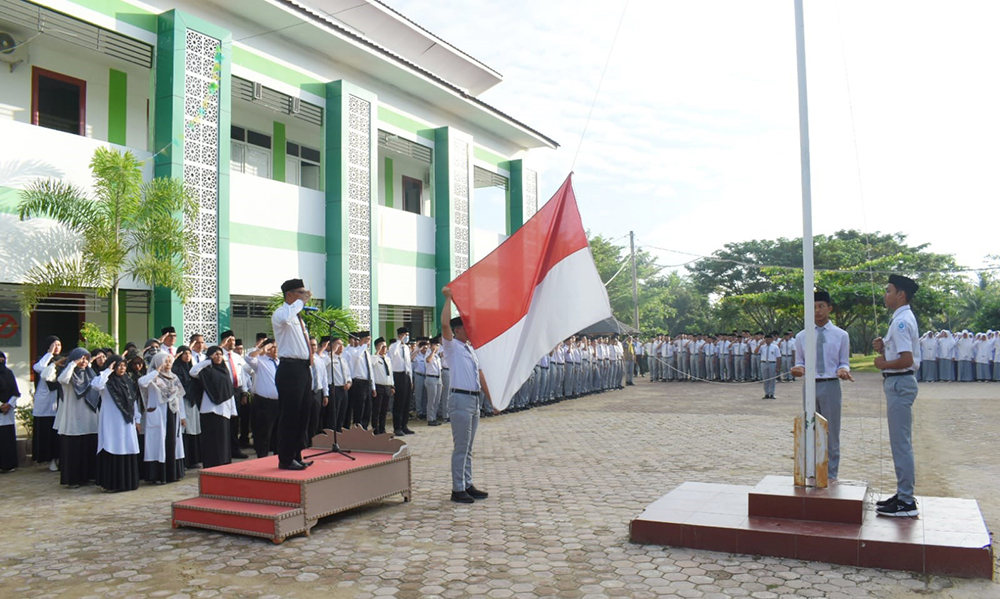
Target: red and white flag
[{"x": 535, "y": 290}]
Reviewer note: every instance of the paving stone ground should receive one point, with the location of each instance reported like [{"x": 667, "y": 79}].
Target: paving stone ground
[{"x": 565, "y": 480}]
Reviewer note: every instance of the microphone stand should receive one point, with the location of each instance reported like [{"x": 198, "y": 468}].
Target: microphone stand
[{"x": 336, "y": 408}]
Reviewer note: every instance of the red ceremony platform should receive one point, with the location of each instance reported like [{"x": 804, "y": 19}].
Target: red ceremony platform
[
  {"x": 836, "y": 525},
  {"x": 256, "y": 498}
]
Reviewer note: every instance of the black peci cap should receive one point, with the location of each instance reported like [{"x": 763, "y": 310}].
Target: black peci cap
[{"x": 291, "y": 285}]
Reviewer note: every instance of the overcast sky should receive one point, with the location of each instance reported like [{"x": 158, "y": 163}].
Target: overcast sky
[{"x": 694, "y": 137}]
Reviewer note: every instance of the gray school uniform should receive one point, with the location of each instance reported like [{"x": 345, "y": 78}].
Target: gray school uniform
[{"x": 900, "y": 388}]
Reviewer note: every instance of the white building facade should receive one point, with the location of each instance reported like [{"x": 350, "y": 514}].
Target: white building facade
[{"x": 345, "y": 150}]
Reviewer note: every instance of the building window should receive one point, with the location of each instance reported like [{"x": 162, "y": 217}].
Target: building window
[
  {"x": 413, "y": 190},
  {"x": 251, "y": 152},
  {"x": 58, "y": 101},
  {"x": 302, "y": 166}
]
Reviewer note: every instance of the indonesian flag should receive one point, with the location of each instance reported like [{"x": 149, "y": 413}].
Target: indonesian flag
[{"x": 535, "y": 290}]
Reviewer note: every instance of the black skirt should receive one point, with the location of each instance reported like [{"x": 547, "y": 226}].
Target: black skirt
[
  {"x": 77, "y": 459},
  {"x": 192, "y": 450},
  {"x": 118, "y": 472},
  {"x": 171, "y": 469},
  {"x": 44, "y": 439},
  {"x": 8, "y": 447},
  {"x": 216, "y": 448}
]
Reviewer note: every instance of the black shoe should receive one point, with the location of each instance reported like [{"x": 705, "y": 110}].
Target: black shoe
[
  {"x": 239, "y": 455},
  {"x": 293, "y": 465},
  {"x": 899, "y": 509},
  {"x": 433, "y": 423},
  {"x": 476, "y": 493},
  {"x": 306, "y": 463},
  {"x": 461, "y": 497},
  {"x": 397, "y": 433},
  {"x": 886, "y": 502},
  {"x": 408, "y": 431}
]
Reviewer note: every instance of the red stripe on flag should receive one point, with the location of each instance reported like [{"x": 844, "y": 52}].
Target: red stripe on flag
[{"x": 495, "y": 293}]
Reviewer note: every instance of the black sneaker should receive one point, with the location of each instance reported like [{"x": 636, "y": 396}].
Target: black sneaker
[
  {"x": 476, "y": 493},
  {"x": 899, "y": 509},
  {"x": 886, "y": 502},
  {"x": 461, "y": 497}
]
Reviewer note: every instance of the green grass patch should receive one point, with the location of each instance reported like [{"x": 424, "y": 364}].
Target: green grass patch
[{"x": 863, "y": 363}]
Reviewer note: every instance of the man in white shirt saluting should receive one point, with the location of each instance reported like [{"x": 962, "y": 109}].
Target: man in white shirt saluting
[{"x": 293, "y": 378}]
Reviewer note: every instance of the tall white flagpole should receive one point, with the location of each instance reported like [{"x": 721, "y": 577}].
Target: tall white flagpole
[{"x": 807, "y": 249}]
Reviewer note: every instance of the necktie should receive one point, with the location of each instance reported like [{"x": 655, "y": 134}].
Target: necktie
[
  {"x": 232, "y": 369},
  {"x": 820, "y": 353},
  {"x": 368, "y": 363},
  {"x": 386, "y": 366}
]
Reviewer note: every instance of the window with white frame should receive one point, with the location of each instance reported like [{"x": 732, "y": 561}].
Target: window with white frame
[
  {"x": 302, "y": 166},
  {"x": 251, "y": 152}
]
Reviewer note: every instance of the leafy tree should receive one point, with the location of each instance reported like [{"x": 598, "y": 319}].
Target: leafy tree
[
  {"x": 127, "y": 229},
  {"x": 93, "y": 337}
]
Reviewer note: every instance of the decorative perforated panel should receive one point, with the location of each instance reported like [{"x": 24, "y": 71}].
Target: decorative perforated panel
[
  {"x": 359, "y": 138},
  {"x": 460, "y": 200},
  {"x": 201, "y": 176},
  {"x": 530, "y": 193}
]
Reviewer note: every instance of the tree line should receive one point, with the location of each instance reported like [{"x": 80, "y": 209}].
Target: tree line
[{"x": 757, "y": 285}]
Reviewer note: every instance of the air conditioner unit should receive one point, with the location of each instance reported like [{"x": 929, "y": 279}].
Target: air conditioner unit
[
  {"x": 258, "y": 91},
  {"x": 296, "y": 105},
  {"x": 12, "y": 52}
]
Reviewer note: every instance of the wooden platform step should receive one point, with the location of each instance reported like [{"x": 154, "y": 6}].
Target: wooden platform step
[{"x": 275, "y": 522}]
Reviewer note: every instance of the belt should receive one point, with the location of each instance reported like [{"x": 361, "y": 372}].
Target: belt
[
  {"x": 262, "y": 397},
  {"x": 886, "y": 375},
  {"x": 544, "y": 367},
  {"x": 464, "y": 392},
  {"x": 445, "y": 368},
  {"x": 826, "y": 380},
  {"x": 292, "y": 361},
  {"x": 767, "y": 361},
  {"x": 433, "y": 376}
]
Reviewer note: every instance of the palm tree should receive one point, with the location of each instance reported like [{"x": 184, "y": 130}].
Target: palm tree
[{"x": 127, "y": 229}]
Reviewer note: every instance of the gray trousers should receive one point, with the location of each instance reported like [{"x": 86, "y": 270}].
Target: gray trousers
[
  {"x": 432, "y": 389},
  {"x": 740, "y": 367},
  {"x": 767, "y": 372},
  {"x": 629, "y": 368},
  {"x": 445, "y": 390},
  {"x": 828, "y": 405},
  {"x": 900, "y": 393},
  {"x": 419, "y": 397},
  {"x": 464, "y": 411},
  {"x": 755, "y": 367}
]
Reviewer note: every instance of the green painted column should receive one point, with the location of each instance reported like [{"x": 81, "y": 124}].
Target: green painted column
[
  {"x": 191, "y": 124},
  {"x": 390, "y": 190},
  {"x": 351, "y": 202},
  {"x": 278, "y": 151},
  {"x": 522, "y": 194},
  {"x": 117, "y": 107},
  {"x": 452, "y": 207}
]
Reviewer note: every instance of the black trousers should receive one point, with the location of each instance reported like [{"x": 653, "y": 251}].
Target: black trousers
[
  {"x": 236, "y": 422},
  {"x": 360, "y": 411},
  {"x": 332, "y": 416},
  {"x": 313, "y": 408},
  {"x": 401, "y": 401},
  {"x": 383, "y": 393},
  {"x": 265, "y": 426},
  {"x": 294, "y": 382}
]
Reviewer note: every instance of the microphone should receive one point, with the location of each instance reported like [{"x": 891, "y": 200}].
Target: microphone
[{"x": 310, "y": 309}]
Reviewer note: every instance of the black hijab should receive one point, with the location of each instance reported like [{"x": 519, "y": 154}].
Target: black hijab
[
  {"x": 8, "y": 384},
  {"x": 52, "y": 385},
  {"x": 93, "y": 357},
  {"x": 182, "y": 370},
  {"x": 122, "y": 390},
  {"x": 215, "y": 379}
]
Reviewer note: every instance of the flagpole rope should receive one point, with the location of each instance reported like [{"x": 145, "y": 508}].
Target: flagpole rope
[
  {"x": 689, "y": 376},
  {"x": 600, "y": 82},
  {"x": 880, "y": 402}
]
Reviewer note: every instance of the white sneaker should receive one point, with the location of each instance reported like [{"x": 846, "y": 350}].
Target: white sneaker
[{"x": 53, "y": 467}]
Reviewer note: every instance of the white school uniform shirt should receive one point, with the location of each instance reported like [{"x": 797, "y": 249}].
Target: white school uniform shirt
[
  {"x": 903, "y": 336},
  {"x": 289, "y": 331},
  {"x": 382, "y": 370},
  {"x": 836, "y": 350},
  {"x": 963, "y": 348},
  {"x": 264, "y": 368},
  {"x": 399, "y": 356},
  {"x": 464, "y": 365},
  {"x": 341, "y": 370},
  {"x": 233, "y": 359},
  {"x": 984, "y": 351},
  {"x": 360, "y": 362},
  {"x": 946, "y": 348},
  {"x": 770, "y": 352},
  {"x": 320, "y": 375},
  {"x": 434, "y": 365}
]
